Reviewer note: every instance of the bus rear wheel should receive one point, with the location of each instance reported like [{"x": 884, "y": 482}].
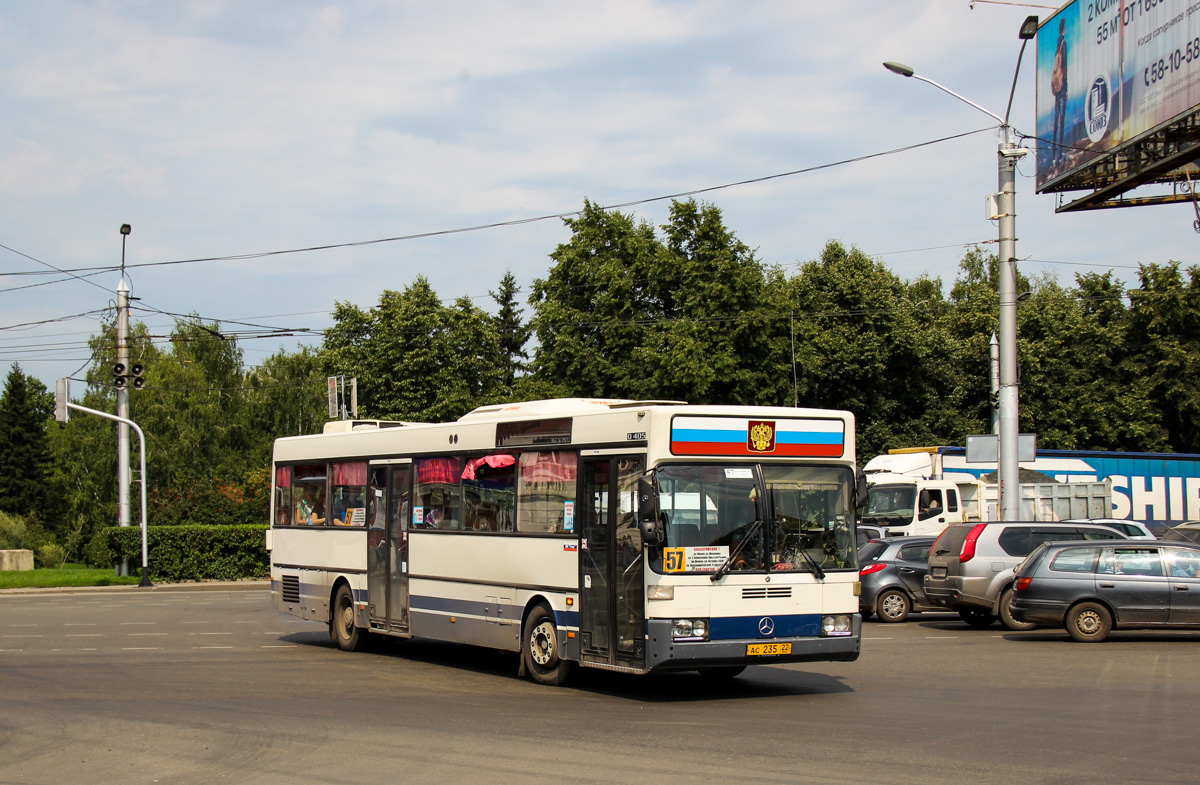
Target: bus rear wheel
[
  {"x": 541, "y": 650},
  {"x": 348, "y": 636}
]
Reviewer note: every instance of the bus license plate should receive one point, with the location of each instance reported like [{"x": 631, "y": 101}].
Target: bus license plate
[{"x": 768, "y": 648}]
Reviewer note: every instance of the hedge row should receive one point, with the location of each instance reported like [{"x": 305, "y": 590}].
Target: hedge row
[{"x": 195, "y": 552}]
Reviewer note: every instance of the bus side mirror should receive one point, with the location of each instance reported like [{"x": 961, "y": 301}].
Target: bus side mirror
[
  {"x": 649, "y": 522},
  {"x": 860, "y": 489}
]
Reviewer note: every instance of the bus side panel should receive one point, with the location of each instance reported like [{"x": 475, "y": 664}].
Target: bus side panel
[
  {"x": 305, "y": 563},
  {"x": 474, "y": 589}
]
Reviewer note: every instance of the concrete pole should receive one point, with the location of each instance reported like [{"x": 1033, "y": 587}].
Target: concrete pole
[
  {"x": 1009, "y": 467},
  {"x": 123, "y": 477}
]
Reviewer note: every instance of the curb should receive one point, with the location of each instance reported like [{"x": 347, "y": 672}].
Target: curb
[{"x": 255, "y": 585}]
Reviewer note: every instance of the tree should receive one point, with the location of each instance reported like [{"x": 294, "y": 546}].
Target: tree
[
  {"x": 865, "y": 341},
  {"x": 1163, "y": 342},
  {"x": 592, "y": 311},
  {"x": 24, "y": 449},
  {"x": 415, "y": 358},
  {"x": 625, "y": 314},
  {"x": 513, "y": 332},
  {"x": 1075, "y": 394},
  {"x": 710, "y": 336}
]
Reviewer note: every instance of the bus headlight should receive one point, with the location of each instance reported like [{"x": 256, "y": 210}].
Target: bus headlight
[
  {"x": 836, "y": 625},
  {"x": 689, "y": 629}
]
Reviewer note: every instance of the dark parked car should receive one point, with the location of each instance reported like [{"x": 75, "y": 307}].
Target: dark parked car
[
  {"x": 892, "y": 570},
  {"x": 1094, "y": 587}
]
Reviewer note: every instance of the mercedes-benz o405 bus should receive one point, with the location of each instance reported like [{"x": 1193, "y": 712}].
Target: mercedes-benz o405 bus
[{"x": 634, "y": 536}]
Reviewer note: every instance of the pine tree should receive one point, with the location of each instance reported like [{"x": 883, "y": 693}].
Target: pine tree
[
  {"x": 24, "y": 449},
  {"x": 514, "y": 333}
]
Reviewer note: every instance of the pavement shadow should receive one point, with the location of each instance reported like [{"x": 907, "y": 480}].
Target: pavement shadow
[{"x": 762, "y": 681}]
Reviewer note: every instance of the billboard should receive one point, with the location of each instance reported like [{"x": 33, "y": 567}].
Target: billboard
[{"x": 1109, "y": 72}]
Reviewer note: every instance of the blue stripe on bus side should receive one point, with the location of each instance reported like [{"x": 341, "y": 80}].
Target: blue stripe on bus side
[
  {"x": 564, "y": 619},
  {"x": 740, "y": 627}
]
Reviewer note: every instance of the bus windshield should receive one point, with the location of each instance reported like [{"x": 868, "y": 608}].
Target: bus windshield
[{"x": 767, "y": 517}]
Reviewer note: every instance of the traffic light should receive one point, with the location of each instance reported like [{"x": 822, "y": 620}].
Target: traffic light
[
  {"x": 132, "y": 376},
  {"x": 62, "y": 394}
]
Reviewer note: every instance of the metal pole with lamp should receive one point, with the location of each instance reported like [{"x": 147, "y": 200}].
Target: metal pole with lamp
[{"x": 1007, "y": 155}]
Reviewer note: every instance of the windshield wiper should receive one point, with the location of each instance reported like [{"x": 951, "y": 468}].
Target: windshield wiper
[
  {"x": 817, "y": 572},
  {"x": 724, "y": 568}
]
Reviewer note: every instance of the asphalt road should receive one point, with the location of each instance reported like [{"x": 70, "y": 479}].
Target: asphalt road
[{"x": 146, "y": 686}]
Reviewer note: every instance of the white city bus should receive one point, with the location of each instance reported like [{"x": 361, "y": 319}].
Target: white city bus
[{"x": 635, "y": 536}]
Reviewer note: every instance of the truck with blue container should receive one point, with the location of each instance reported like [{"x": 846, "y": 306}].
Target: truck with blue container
[{"x": 1160, "y": 489}]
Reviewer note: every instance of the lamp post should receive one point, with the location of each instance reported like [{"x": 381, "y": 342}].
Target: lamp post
[{"x": 1007, "y": 155}]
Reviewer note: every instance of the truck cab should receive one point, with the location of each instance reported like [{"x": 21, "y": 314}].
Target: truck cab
[{"x": 907, "y": 507}]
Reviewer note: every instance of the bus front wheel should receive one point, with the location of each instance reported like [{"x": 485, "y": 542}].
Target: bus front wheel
[
  {"x": 348, "y": 637},
  {"x": 541, "y": 650}
]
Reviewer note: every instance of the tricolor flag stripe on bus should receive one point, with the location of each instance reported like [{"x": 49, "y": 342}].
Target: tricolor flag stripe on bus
[{"x": 785, "y": 437}]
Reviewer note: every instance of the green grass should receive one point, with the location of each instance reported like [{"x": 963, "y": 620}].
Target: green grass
[{"x": 67, "y": 575}]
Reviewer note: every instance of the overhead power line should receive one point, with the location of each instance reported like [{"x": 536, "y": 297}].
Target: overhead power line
[{"x": 530, "y": 220}]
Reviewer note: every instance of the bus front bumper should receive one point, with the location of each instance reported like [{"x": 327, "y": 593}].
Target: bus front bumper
[{"x": 663, "y": 653}]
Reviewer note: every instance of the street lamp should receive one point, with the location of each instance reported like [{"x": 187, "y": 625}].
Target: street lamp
[{"x": 1007, "y": 155}]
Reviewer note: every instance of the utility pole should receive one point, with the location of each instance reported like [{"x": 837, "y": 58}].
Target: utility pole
[
  {"x": 1008, "y": 153},
  {"x": 123, "y": 477},
  {"x": 1009, "y": 466}
]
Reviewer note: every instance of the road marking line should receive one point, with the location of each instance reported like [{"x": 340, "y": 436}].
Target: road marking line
[
  {"x": 12, "y": 650},
  {"x": 940, "y": 637},
  {"x": 146, "y": 634},
  {"x": 138, "y": 623},
  {"x": 210, "y": 633},
  {"x": 196, "y": 622},
  {"x": 38, "y": 635},
  {"x": 84, "y": 635},
  {"x": 280, "y": 646},
  {"x": 141, "y": 648},
  {"x": 22, "y": 625},
  {"x": 80, "y": 624},
  {"x": 212, "y": 647}
]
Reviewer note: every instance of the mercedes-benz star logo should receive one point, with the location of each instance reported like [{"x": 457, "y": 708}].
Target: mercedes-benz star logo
[{"x": 766, "y": 625}]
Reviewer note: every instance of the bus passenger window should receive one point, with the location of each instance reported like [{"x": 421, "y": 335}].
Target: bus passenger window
[
  {"x": 308, "y": 495},
  {"x": 488, "y": 493},
  {"x": 350, "y": 494},
  {"x": 546, "y": 492},
  {"x": 283, "y": 496},
  {"x": 437, "y": 496}
]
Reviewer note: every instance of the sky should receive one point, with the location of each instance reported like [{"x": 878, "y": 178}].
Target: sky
[{"x": 225, "y": 128}]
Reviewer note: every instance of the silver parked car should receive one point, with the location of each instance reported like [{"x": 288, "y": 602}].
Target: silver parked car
[
  {"x": 971, "y": 565},
  {"x": 1095, "y": 587}
]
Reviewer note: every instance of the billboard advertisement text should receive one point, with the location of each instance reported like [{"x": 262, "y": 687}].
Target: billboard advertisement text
[{"x": 1109, "y": 71}]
